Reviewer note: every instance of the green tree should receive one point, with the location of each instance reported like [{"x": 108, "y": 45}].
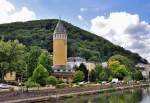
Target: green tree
[
  {"x": 103, "y": 76},
  {"x": 32, "y": 59},
  {"x": 40, "y": 75},
  {"x": 52, "y": 80},
  {"x": 46, "y": 60},
  {"x": 137, "y": 75},
  {"x": 123, "y": 60},
  {"x": 92, "y": 76},
  {"x": 98, "y": 69},
  {"x": 123, "y": 70},
  {"x": 86, "y": 53},
  {"x": 78, "y": 76},
  {"x": 119, "y": 71},
  {"x": 83, "y": 68},
  {"x": 12, "y": 57}
]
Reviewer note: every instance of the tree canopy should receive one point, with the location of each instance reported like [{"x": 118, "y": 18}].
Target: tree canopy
[
  {"x": 40, "y": 75},
  {"x": 32, "y": 59},
  {"x": 46, "y": 60},
  {"x": 118, "y": 70},
  {"x": 12, "y": 57}
]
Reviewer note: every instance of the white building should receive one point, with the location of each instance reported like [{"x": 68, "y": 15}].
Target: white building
[
  {"x": 90, "y": 66},
  {"x": 145, "y": 69},
  {"x": 75, "y": 61}
]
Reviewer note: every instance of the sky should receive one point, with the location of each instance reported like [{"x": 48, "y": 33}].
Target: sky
[{"x": 123, "y": 22}]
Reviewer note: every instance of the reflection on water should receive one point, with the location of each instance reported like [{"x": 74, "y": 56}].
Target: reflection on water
[{"x": 131, "y": 96}]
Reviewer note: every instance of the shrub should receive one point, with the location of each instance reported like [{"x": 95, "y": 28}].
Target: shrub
[
  {"x": 78, "y": 76},
  {"x": 110, "y": 78},
  {"x": 31, "y": 83},
  {"x": 62, "y": 85},
  {"x": 127, "y": 78},
  {"x": 60, "y": 81},
  {"x": 52, "y": 80}
]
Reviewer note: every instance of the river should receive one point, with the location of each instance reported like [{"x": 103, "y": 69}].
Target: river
[{"x": 127, "y": 96}]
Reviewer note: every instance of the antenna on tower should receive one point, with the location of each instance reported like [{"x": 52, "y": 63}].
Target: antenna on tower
[{"x": 59, "y": 17}]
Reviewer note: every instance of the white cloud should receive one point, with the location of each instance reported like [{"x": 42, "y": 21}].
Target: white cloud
[
  {"x": 6, "y": 6},
  {"x": 124, "y": 29},
  {"x": 8, "y": 13},
  {"x": 80, "y": 17},
  {"x": 83, "y": 9}
]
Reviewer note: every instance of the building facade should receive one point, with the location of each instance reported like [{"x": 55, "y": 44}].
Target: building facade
[
  {"x": 75, "y": 61},
  {"x": 145, "y": 69},
  {"x": 10, "y": 76}
]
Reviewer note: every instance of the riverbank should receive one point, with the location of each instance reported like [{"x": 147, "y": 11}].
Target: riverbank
[{"x": 56, "y": 94}]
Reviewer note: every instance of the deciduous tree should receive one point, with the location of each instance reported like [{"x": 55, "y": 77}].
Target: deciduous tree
[
  {"x": 40, "y": 75},
  {"x": 46, "y": 60},
  {"x": 12, "y": 57}
]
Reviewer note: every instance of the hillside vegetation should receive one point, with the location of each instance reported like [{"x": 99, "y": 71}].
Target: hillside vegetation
[{"x": 80, "y": 42}]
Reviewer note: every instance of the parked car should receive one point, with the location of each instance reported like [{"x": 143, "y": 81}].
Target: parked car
[
  {"x": 82, "y": 82},
  {"x": 115, "y": 80},
  {"x": 104, "y": 82},
  {"x": 4, "y": 86}
]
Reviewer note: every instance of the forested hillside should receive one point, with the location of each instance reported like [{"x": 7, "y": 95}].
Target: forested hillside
[{"x": 80, "y": 42}]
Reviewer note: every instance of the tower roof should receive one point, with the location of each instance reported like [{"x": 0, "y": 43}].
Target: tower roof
[{"x": 59, "y": 28}]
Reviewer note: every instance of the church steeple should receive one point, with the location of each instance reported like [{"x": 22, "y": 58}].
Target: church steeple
[{"x": 60, "y": 29}]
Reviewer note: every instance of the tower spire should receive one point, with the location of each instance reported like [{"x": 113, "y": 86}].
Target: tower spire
[{"x": 60, "y": 29}]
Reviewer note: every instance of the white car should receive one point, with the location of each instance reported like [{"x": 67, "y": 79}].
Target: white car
[
  {"x": 115, "y": 80},
  {"x": 4, "y": 86},
  {"x": 104, "y": 82},
  {"x": 82, "y": 82}
]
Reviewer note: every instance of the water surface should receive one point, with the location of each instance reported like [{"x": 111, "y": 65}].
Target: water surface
[{"x": 131, "y": 96}]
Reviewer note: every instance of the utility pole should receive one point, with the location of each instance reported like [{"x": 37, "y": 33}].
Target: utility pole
[{"x": 88, "y": 76}]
